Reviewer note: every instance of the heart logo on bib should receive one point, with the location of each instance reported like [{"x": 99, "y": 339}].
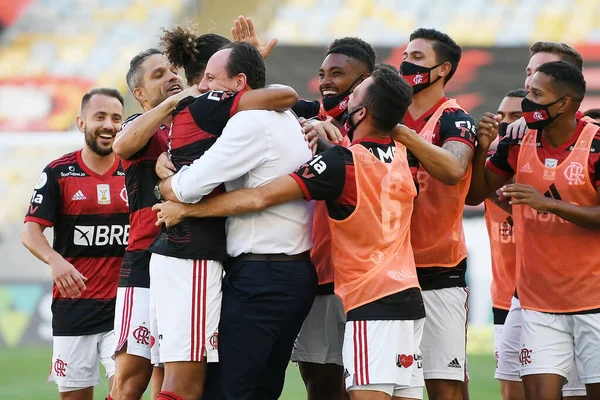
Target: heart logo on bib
[{"x": 405, "y": 360}]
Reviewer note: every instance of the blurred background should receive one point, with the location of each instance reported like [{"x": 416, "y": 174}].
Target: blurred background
[{"x": 53, "y": 51}]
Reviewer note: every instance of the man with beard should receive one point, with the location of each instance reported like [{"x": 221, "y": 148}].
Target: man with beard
[
  {"x": 156, "y": 84},
  {"x": 318, "y": 348},
  {"x": 81, "y": 196}
]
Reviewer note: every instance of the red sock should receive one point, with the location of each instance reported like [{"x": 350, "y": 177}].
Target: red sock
[
  {"x": 108, "y": 397},
  {"x": 163, "y": 395}
]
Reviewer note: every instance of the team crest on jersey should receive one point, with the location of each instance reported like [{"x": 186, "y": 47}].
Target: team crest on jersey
[
  {"x": 124, "y": 196},
  {"x": 574, "y": 173},
  {"x": 103, "y": 193}
]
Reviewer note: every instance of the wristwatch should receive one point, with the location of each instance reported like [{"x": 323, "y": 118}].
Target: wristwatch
[{"x": 157, "y": 193}]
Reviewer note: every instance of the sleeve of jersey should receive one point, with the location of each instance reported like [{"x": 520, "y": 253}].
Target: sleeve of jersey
[
  {"x": 323, "y": 177},
  {"x": 459, "y": 126},
  {"x": 45, "y": 200},
  {"x": 413, "y": 164},
  {"x": 503, "y": 159},
  {"x": 211, "y": 110},
  {"x": 307, "y": 109}
]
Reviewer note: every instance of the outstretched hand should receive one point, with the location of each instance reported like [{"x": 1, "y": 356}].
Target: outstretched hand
[{"x": 243, "y": 30}]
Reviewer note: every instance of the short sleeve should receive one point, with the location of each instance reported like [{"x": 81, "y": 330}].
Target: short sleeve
[
  {"x": 212, "y": 110},
  {"x": 307, "y": 109},
  {"x": 459, "y": 126},
  {"x": 45, "y": 200},
  {"x": 323, "y": 177},
  {"x": 501, "y": 161}
]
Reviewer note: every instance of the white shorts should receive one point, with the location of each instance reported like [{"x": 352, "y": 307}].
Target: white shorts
[
  {"x": 385, "y": 354},
  {"x": 509, "y": 350},
  {"x": 497, "y": 339},
  {"x": 132, "y": 321},
  {"x": 75, "y": 360},
  {"x": 509, "y": 345},
  {"x": 322, "y": 333},
  {"x": 185, "y": 297},
  {"x": 445, "y": 333},
  {"x": 553, "y": 343}
]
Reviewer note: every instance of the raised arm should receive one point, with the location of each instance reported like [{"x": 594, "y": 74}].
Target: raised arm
[
  {"x": 484, "y": 181},
  {"x": 272, "y": 97},
  {"x": 137, "y": 133},
  {"x": 448, "y": 164}
]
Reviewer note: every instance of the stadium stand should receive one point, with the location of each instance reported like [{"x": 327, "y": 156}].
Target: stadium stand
[{"x": 469, "y": 22}]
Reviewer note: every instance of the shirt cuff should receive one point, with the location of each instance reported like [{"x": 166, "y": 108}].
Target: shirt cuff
[
  {"x": 303, "y": 187},
  {"x": 41, "y": 221},
  {"x": 177, "y": 187}
]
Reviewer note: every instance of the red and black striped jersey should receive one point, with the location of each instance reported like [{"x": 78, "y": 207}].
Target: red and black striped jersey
[
  {"x": 196, "y": 126},
  {"x": 140, "y": 178},
  {"x": 89, "y": 214}
]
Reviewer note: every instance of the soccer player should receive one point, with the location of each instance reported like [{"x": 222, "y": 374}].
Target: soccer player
[
  {"x": 349, "y": 61},
  {"x": 82, "y": 195},
  {"x": 499, "y": 223},
  {"x": 543, "y": 52},
  {"x": 318, "y": 348},
  {"x": 509, "y": 346},
  {"x": 444, "y": 147},
  {"x": 555, "y": 199},
  {"x": 369, "y": 192},
  {"x": 186, "y": 264},
  {"x": 156, "y": 84}
]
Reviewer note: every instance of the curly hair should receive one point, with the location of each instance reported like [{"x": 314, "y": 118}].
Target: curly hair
[{"x": 185, "y": 49}]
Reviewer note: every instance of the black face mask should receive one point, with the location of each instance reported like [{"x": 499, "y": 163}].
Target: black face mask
[
  {"x": 348, "y": 126},
  {"x": 537, "y": 116},
  {"x": 502, "y": 126},
  {"x": 417, "y": 76},
  {"x": 335, "y": 106}
]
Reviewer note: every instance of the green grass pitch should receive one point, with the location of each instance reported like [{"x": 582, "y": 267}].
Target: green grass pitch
[{"x": 23, "y": 373}]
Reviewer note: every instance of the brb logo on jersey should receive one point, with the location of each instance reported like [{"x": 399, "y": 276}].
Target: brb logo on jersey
[{"x": 101, "y": 235}]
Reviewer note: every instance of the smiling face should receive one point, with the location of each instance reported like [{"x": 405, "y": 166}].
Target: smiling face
[
  {"x": 216, "y": 76},
  {"x": 100, "y": 120},
  {"x": 160, "y": 80},
  {"x": 337, "y": 73}
]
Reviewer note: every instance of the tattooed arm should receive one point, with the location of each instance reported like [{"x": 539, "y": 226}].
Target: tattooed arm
[{"x": 448, "y": 164}]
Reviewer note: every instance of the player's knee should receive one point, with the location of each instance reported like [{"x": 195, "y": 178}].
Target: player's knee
[
  {"x": 512, "y": 391},
  {"x": 130, "y": 389},
  {"x": 445, "y": 390}
]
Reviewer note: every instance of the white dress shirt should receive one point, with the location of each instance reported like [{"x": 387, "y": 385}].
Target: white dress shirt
[{"x": 255, "y": 148}]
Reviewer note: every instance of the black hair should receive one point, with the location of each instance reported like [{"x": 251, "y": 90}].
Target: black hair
[
  {"x": 186, "y": 50},
  {"x": 445, "y": 48},
  {"x": 356, "y": 53},
  {"x": 563, "y": 50},
  {"x": 387, "y": 98},
  {"x": 521, "y": 93},
  {"x": 593, "y": 113},
  {"x": 110, "y": 92},
  {"x": 245, "y": 59},
  {"x": 567, "y": 78},
  {"x": 135, "y": 74},
  {"x": 357, "y": 42}
]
